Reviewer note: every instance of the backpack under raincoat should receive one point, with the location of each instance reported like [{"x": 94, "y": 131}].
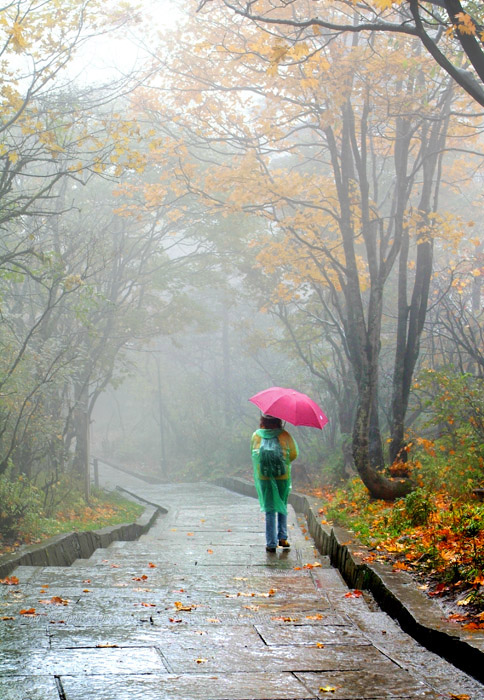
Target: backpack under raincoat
[{"x": 273, "y": 492}]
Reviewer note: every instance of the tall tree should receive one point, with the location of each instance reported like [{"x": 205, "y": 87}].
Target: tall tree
[
  {"x": 340, "y": 150},
  {"x": 452, "y": 31}
]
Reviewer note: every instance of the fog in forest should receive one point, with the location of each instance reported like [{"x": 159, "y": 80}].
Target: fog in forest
[{"x": 197, "y": 206}]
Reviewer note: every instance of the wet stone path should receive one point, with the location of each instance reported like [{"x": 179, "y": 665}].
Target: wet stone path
[{"x": 196, "y": 609}]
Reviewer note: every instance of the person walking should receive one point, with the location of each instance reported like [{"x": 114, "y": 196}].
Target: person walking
[{"x": 273, "y": 450}]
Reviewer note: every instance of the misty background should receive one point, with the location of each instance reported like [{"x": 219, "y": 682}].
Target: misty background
[{"x": 195, "y": 208}]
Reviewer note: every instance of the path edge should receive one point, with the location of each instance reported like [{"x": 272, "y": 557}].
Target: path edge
[
  {"x": 64, "y": 549},
  {"x": 395, "y": 592}
]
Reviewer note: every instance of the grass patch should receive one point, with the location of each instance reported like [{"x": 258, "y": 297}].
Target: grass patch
[{"x": 27, "y": 518}]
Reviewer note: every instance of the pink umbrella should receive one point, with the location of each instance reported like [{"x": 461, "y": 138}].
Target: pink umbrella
[{"x": 290, "y": 405}]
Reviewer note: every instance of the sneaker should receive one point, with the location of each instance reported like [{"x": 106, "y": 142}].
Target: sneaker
[
  {"x": 271, "y": 549},
  {"x": 285, "y": 544}
]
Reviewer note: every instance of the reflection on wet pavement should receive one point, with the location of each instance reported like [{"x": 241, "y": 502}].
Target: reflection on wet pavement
[{"x": 196, "y": 609}]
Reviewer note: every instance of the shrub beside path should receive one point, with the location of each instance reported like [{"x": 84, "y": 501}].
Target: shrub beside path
[{"x": 197, "y": 610}]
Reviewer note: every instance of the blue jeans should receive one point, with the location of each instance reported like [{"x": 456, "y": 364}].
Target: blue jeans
[{"x": 274, "y": 534}]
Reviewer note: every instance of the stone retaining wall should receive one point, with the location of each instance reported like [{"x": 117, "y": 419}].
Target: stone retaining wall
[{"x": 395, "y": 592}]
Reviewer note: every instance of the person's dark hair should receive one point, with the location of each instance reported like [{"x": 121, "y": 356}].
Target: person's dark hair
[{"x": 270, "y": 423}]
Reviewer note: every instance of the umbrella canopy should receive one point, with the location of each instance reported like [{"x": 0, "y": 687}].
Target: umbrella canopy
[{"x": 290, "y": 405}]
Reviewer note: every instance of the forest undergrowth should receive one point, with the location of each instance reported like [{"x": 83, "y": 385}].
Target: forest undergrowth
[
  {"x": 435, "y": 533},
  {"x": 32, "y": 513}
]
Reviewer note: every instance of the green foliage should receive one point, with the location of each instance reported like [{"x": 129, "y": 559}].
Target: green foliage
[
  {"x": 454, "y": 404},
  {"x": 19, "y": 505},
  {"x": 418, "y": 507},
  {"x": 23, "y": 519}
]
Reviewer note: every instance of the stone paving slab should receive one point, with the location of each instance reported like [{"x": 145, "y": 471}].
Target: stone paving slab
[
  {"x": 236, "y": 686},
  {"x": 35, "y": 688},
  {"x": 370, "y": 685},
  {"x": 196, "y": 609},
  {"x": 84, "y": 662}
]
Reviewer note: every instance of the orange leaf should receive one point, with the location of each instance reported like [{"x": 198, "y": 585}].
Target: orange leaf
[
  {"x": 473, "y": 626},
  {"x": 144, "y": 577},
  {"x": 148, "y": 605},
  {"x": 354, "y": 594},
  {"x": 107, "y": 646},
  {"x": 210, "y": 551},
  {"x": 401, "y": 566},
  {"x": 151, "y": 565},
  {"x": 55, "y": 600},
  {"x": 29, "y": 611},
  {"x": 7, "y": 617},
  {"x": 10, "y": 581}
]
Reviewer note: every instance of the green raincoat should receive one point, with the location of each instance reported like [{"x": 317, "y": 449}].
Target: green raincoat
[{"x": 273, "y": 492}]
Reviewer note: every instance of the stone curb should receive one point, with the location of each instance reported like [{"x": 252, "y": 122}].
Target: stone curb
[
  {"x": 395, "y": 592},
  {"x": 139, "y": 475},
  {"x": 63, "y": 550}
]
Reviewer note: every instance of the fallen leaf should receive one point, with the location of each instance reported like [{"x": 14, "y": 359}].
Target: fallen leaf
[
  {"x": 7, "y": 617},
  {"x": 210, "y": 551},
  {"x": 30, "y": 612},
  {"x": 314, "y": 617},
  {"x": 175, "y": 619},
  {"x": 86, "y": 590},
  {"x": 463, "y": 696},
  {"x": 213, "y": 619},
  {"x": 151, "y": 565},
  {"x": 455, "y": 617},
  {"x": 9, "y": 581},
  {"x": 283, "y": 618},
  {"x": 327, "y": 689},
  {"x": 148, "y": 605},
  {"x": 55, "y": 600},
  {"x": 201, "y": 661},
  {"x": 354, "y": 594},
  {"x": 401, "y": 566},
  {"x": 471, "y": 626},
  {"x": 107, "y": 646},
  {"x": 182, "y": 607},
  {"x": 319, "y": 645},
  {"x": 189, "y": 534}
]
